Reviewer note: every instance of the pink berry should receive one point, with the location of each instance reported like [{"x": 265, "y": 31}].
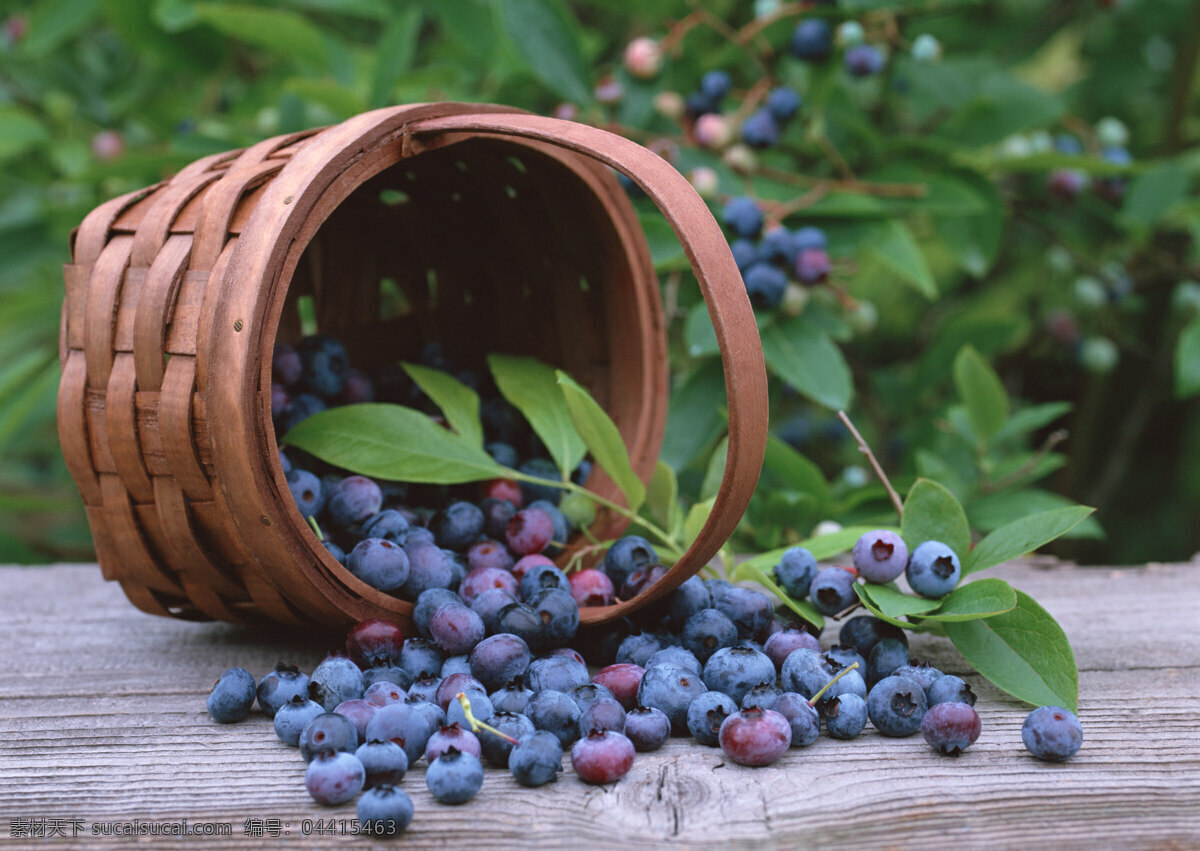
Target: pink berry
[
  {"x": 602, "y": 756},
  {"x": 107, "y": 145},
  {"x": 452, "y": 736},
  {"x": 712, "y": 131},
  {"x": 781, "y": 644},
  {"x": 704, "y": 180},
  {"x": 609, "y": 90},
  {"x": 531, "y": 560},
  {"x": 591, "y": 587},
  {"x": 622, "y": 679},
  {"x": 529, "y": 531},
  {"x": 502, "y": 489},
  {"x": 643, "y": 58},
  {"x": 484, "y": 579},
  {"x": 374, "y": 642},
  {"x": 449, "y": 687},
  {"x": 755, "y": 736},
  {"x": 489, "y": 553}
]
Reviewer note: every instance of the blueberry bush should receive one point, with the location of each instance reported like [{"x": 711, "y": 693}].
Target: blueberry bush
[{"x": 972, "y": 226}]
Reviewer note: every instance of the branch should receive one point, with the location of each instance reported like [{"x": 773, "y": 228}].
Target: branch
[{"x": 866, "y": 450}]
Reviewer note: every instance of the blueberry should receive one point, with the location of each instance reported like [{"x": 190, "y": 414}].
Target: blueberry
[
  {"x": 735, "y": 670},
  {"x": 592, "y": 587},
  {"x": 802, "y": 716},
  {"x": 529, "y": 531},
  {"x": 428, "y": 602},
  {"x": 416, "y": 535},
  {"x": 452, "y": 685},
  {"x": 457, "y": 526},
  {"x": 603, "y": 713},
  {"x": 384, "y": 762},
  {"x": 782, "y": 644},
  {"x": 762, "y": 696},
  {"x": 755, "y": 736},
  {"x": 425, "y": 688},
  {"x": 384, "y": 811},
  {"x": 602, "y": 756},
  {"x": 454, "y": 777},
  {"x": 541, "y": 577},
  {"x": 359, "y": 711},
  {"x": 334, "y": 778},
  {"x": 324, "y": 365},
  {"x": 556, "y": 712},
  {"x": 293, "y": 717},
  {"x": 232, "y": 696},
  {"x": 495, "y": 749},
  {"x": 496, "y": 514},
  {"x": 489, "y": 554},
  {"x": 805, "y": 672},
  {"x": 455, "y": 628},
  {"x": 921, "y": 672},
  {"x": 451, "y": 735},
  {"x": 537, "y": 759},
  {"x": 353, "y": 500},
  {"x": 812, "y": 265},
  {"x": 627, "y": 555},
  {"x": 421, "y": 658},
  {"x": 715, "y": 84},
  {"x": 697, "y": 104},
  {"x": 647, "y": 727},
  {"x": 384, "y": 692},
  {"x": 864, "y": 60},
  {"x": 559, "y": 614},
  {"x": 808, "y": 238},
  {"x": 783, "y": 103},
  {"x": 405, "y": 725},
  {"x": 832, "y": 590},
  {"x": 933, "y": 569},
  {"x": 707, "y": 713},
  {"x": 336, "y": 679},
  {"x": 863, "y": 632},
  {"x": 795, "y": 572},
  {"x": 760, "y": 130},
  {"x": 846, "y": 716},
  {"x": 559, "y": 521},
  {"x": 745, "y": 254},
  {"x": 743, "y": 217},
  {"x": 585, "y": 694},
  {"x": 328, "y": 733},
  {"x": 622, "y": 680},
  {"x": 301, "y": 407},
  {"x": 481, "y": 708},
  {"x": 1052, "y": 733},
  {"x": 513, "y": 697},
  {"x": 680, "y": 656},
  {"x": 951, "y": 728},
  {"x": 460, "y": 664},
  {"x": 428, "y": 567},
  {"x": 374, "y": 642},
  {"x": 896, "y": 706},
  {"x": 379, "y": 563},
  {"x": 503, "y": 454},
  {"x": 886, "y": 656},
  {"x": 847, "y": 656},
  {"x": 640, "y": 580},
  {"x": 388, "y": 524},
  {"x": 540, "y": 468},
  {"x": 949, "y": 689},
  {"x": 812, "y": 40},
  {"x": 306, "y": 491},
  {"x": 708, "y": 631},
  {"x": 880, "y": 556},
  {"x": 286, "y": 366},
  {"x": 671, "y": 689},
  {"x": 488, "y": 605},
  {"x": 765, "y": 285},
  {"x": 520, "y": 620},
  {"x": 637, "y": 649},
  {"x": 559, "y": 673},
  {"x": 499, "y": 659}
]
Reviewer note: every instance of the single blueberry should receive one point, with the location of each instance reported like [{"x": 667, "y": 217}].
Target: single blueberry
[{"x": 232, "y": 696}]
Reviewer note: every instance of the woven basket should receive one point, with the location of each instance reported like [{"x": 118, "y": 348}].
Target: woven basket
[{"x": 176, "y": 295}]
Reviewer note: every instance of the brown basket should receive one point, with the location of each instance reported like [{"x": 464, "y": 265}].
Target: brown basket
[{"x": 176, "y": 294}]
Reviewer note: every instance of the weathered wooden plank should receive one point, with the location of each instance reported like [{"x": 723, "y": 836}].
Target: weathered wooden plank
[{"x": 102, "y": 719}]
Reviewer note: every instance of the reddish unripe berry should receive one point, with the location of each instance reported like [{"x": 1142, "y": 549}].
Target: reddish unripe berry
[
  {"x": 107, "y": 145},
  {"x": 780, "y": 645},
  {"x": 712, "y": 131},
  {"x": 643, "y": 58},
  {"x": 502, "y": 489},
  {"x": 529, "y": 531},
  {"x": 452, "y": 736},
  {"x": 755, "y": 736},
  {"x": 950, "y": 728},
  {"x": 622, "y": 679},
  {"x": 452, "y": 685},
  {"x": 484, "y": 579},
  {"x": 591, "y": 587},
  {"x": 525, "y": 563},
  {"x": 602, "y": 756},
  {"x": 374, "y": 642}
]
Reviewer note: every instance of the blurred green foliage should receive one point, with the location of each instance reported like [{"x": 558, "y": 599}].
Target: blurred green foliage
[{"x": 965, "y": 326}]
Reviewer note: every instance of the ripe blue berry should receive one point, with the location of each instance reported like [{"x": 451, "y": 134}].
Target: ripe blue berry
[
  {"x": 715, "y": 84},
  {"x": 456, "y": 629},
  {"x": 795, "y": 572},
  {"x": 671, "y": 689},
  {"x": 495, "y": 749},
  {"x": 324, "y": 365},
  {"x": 760, "y": 130},
  {"x": 783, "y": 103},
  {"x": 637, "y": 649},
  {"x": 674, "y": 655},
  {"x": 559, "y": 614},
  {"x": 306, "y": 491},
  {"x": 933, "y": 569},
  {"x": 457, "y": 526},
  {"x": 896, "y": 706},
  {"x": 812, "y": 265},
  {"x": 560, "y": 673},
  {"x": 451, "y": 735},
  {"x": 513, "y": 697},
  {"x": 327, "y": 733},
  {"x": 388, "y": 524},
  {"x": 765, "y": 285},
  {"x": 353, "y": 500},
  {"x": 555, "y": 712},
  {"x": 603, "y": 713},
  {"x": 334, "y": 778},
  {"x": 336, "y": 679},
  {"x": 520, "y": 620},
  {"x": 627, "y": 555},
  {"x": 481, "y": 708},
  {"x": 386, "y": 685},
  {"x": 745, "y": 254},
  {"x": 845, "y": 716},
  {"x": 864, "y": 60},
  {"x": 1052, "y": 733},
  {"x": 384, "y": 811},
  {"x": 780, "y": 645},
  {"x": 421, "y": 658},
  {"x": 920, "y": 672},
  {"x": 886, "y": 656},
  {"x": 950, "y": 728},
  {"x": 707, "y": 713},
  {"x": 742, "y": 216},
  {"x": 383, "y": 762},
  {"x": 294, "y": 716},
  {"x": 499, "y": 659},
  {"x": 950, "y": 689},
  {"x": 880, "y": 556},
  {"x": 379, "y": 563},
  {"x": 232, "y": 696},
  {"x": 407, "y": 726},
  {"x": 832, "y": 590},
  {"x": 812, "y": 40},
  {"x": 755, "y": 736},
  {"x": 537, "y": 760},
  {"x": 359, "y": 711},
  {"x": 863, "y": 632},
  {"x": 454, "y": 777},
  {"x": 801, "y": 716},
  {"x": 735, "y": 670}
]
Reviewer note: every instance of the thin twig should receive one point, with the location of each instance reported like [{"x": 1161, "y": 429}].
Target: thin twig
[
  {"x": 1052, "y": 440},
  {"x": 866, "y": 450}
]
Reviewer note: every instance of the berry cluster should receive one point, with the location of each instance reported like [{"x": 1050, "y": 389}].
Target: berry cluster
[
  {"x": 1069, "y": 183},
  {"x": 766, "y": 259}
]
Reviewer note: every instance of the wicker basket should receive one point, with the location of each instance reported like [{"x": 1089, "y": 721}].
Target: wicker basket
[{"x": 176, "y": 294}]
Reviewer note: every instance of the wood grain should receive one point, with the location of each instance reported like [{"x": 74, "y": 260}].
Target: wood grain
[{"x": 102, "y": 718}]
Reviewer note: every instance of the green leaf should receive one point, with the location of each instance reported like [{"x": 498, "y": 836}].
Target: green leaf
[
  {"x": 278, "y": 30},
  {"x": 983, "y": 598},
  {"x": 532, "y": 388},
  {"x": 394, "y": 443},
  {"x": 895, "y": 603},
  {"x": 805, "y": 357},
  {"x": 603, "y": 438},
  {"x": 715, "y": 470},
  {"x": 893, "y": 245},
  {"x": 931, "y": 513},
  {"x": 55, "y": 22},
  {"x": 458, "y": 403},
  {"x": 1152, "y": 194},
  {"x": 699, "y": 334},
  {"x": 665, "y": 249},
  {"x": 394, "y": 53},
  {"x": 19, "y": 132},
  {"x": 981, "y": 392},
  {"x": 992, "y": 510},
  {"x": 694, "y": 419},
  {"x": 1024, "y": 652},
  {"x": 803, "y": 608},
  {"x": 545, "y": 36},
  {"x": 1187, "y": 361},
  {"x": 1022, "y": 536},
  {"x": 1031, "y": 419},
  {"x": 871, "y": 606},
  {"x": 697, "y": 516},
  {"x": 784, "y": 466},
  {"x": 662, "y": 498}
]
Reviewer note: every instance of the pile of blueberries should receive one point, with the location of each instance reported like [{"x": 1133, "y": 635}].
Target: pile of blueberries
[{"x": 712, "y": 660}]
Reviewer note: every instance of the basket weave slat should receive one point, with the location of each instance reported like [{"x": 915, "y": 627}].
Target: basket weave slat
[{"x": 176, "y": 294}]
